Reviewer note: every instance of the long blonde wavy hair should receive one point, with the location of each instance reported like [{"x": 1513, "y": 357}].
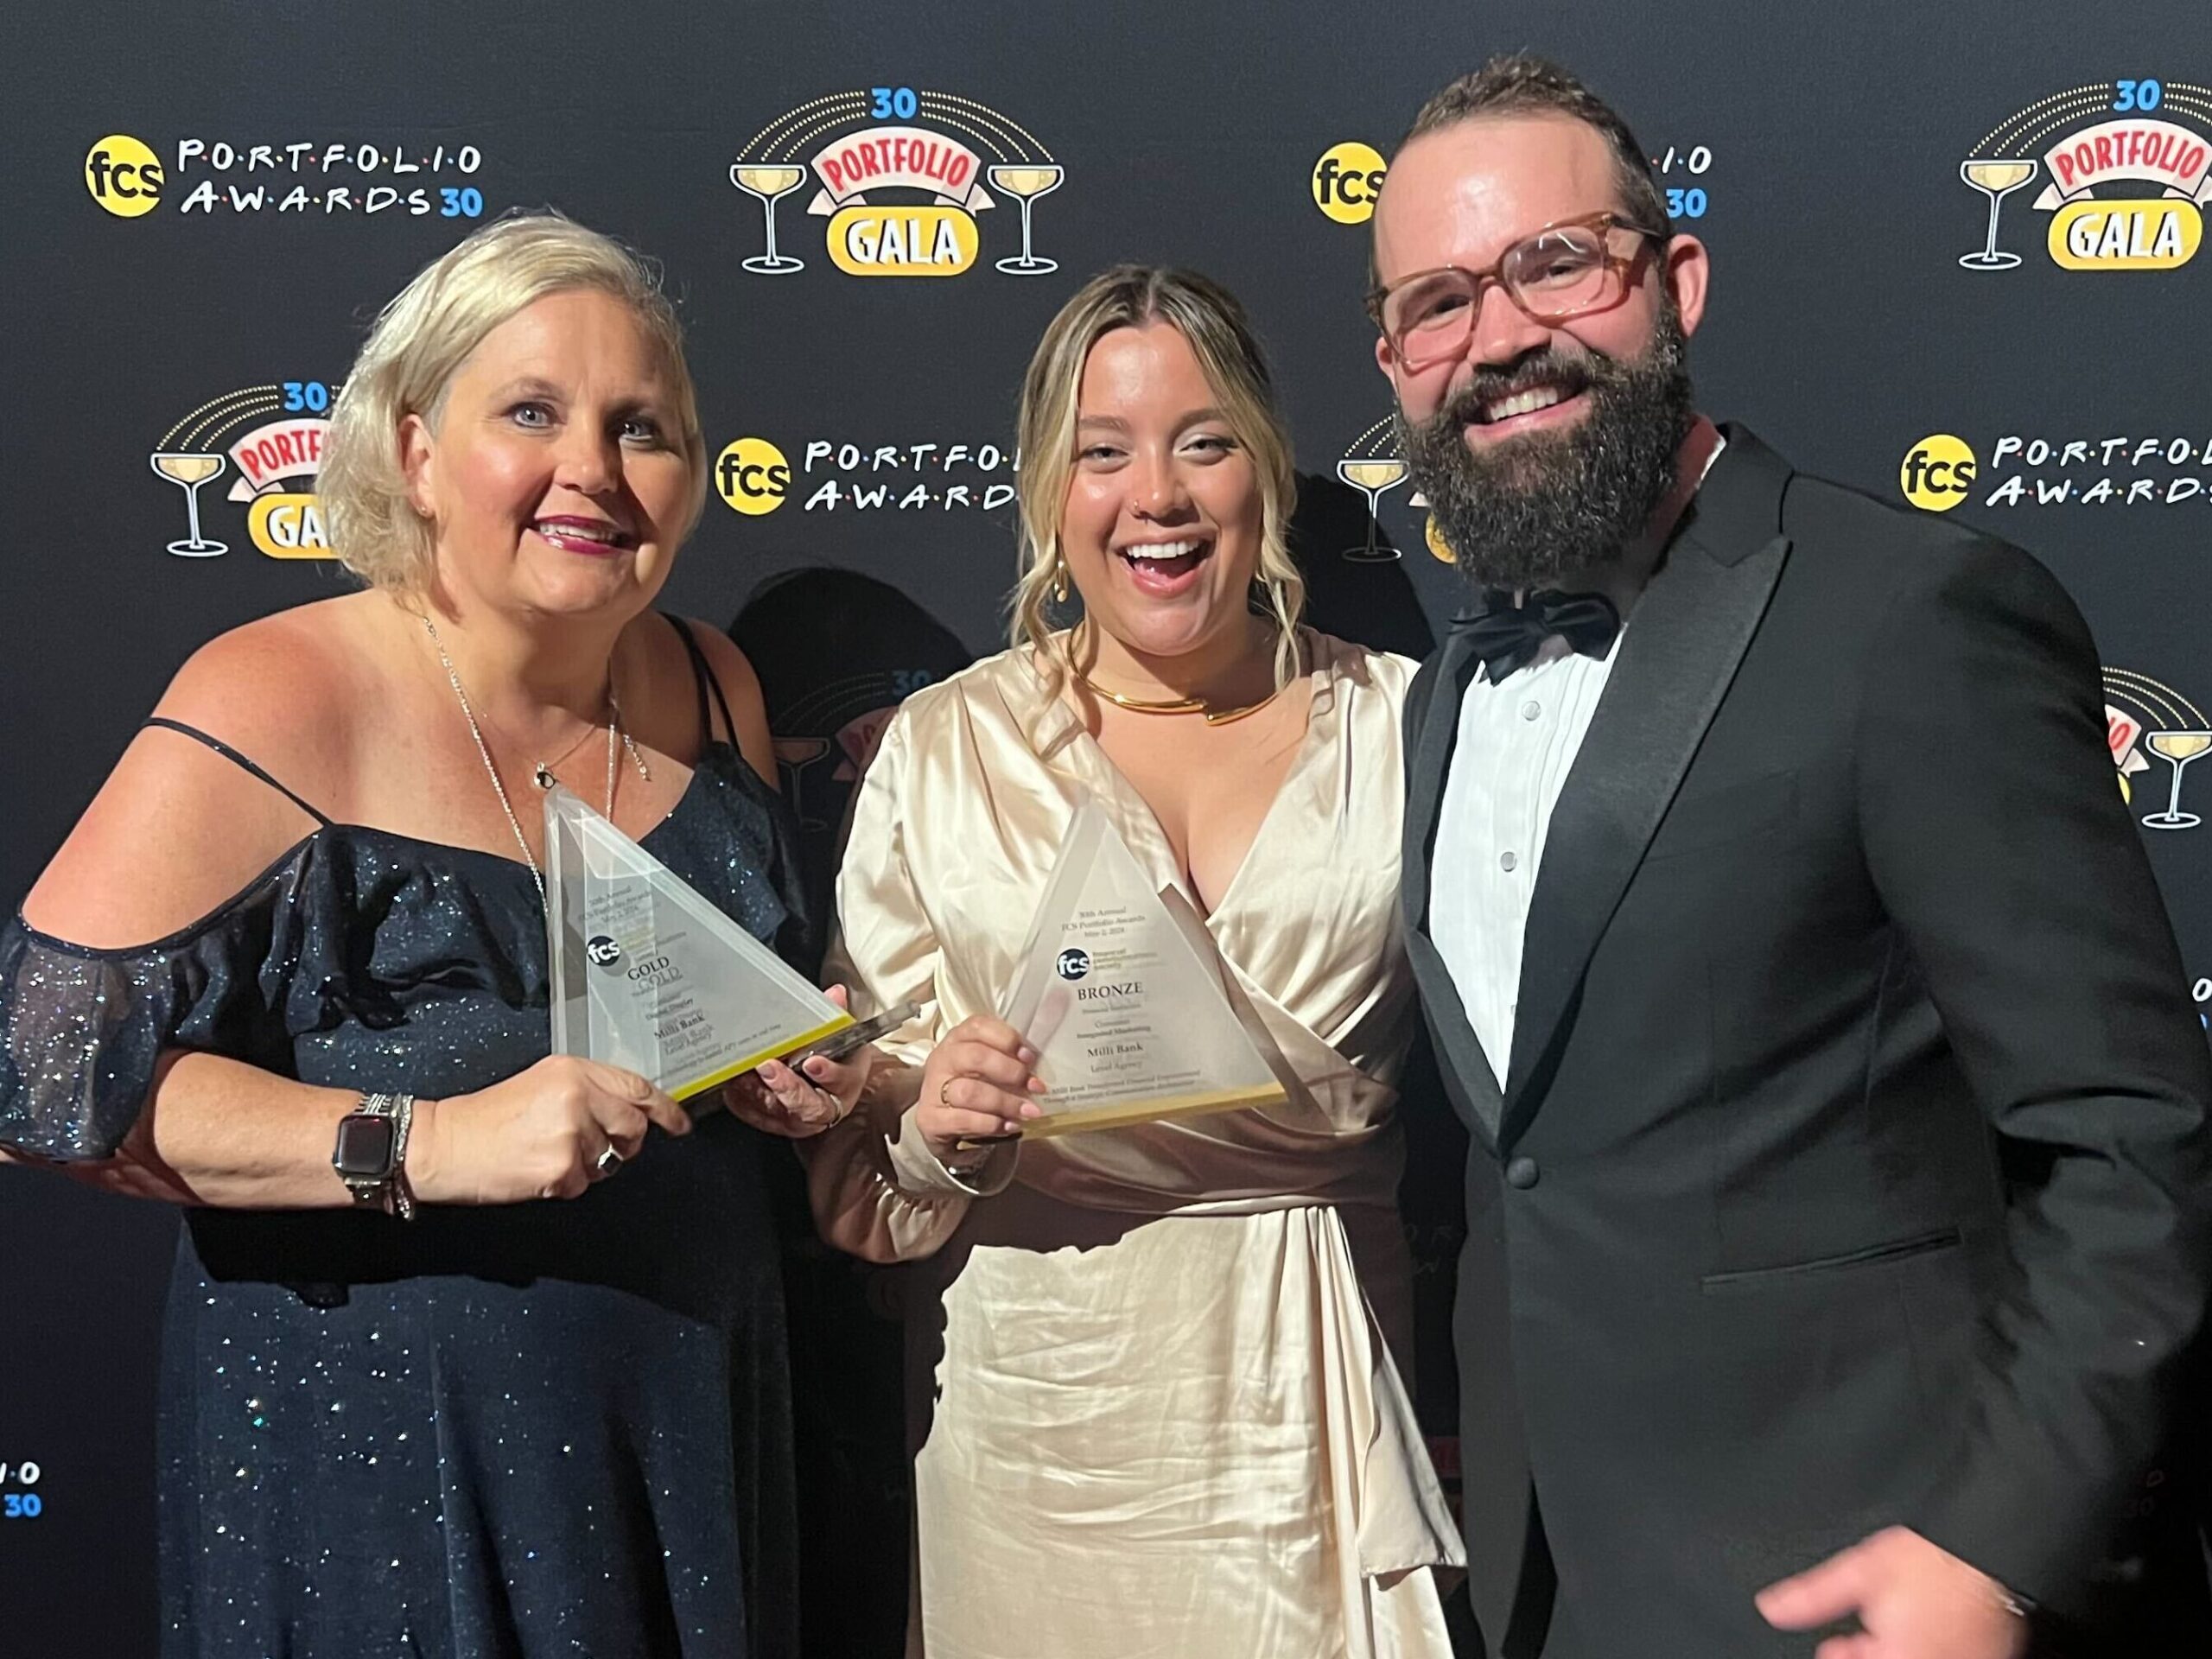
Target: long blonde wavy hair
[{"x": 1220, "y": 335}]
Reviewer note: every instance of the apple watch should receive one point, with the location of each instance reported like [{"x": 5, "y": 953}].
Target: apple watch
[{"x": 371, "y": 1153}]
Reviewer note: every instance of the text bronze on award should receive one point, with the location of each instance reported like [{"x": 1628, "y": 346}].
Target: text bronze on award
[{"x": 1126, "y": 1001}]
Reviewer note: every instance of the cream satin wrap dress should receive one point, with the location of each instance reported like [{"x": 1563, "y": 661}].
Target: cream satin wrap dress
[{"x": 1154, "y": 1411}]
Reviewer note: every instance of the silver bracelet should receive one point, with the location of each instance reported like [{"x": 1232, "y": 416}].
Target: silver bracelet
[{"x": 400, "y": 1109}]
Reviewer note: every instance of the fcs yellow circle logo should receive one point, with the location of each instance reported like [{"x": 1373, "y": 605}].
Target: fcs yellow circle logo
[
  {"x": 1345, "y": 180},
  {"x": 752, "y": 476},
  {"x": 1938, "y": 473},
  {"x": 123, "y": 176}
]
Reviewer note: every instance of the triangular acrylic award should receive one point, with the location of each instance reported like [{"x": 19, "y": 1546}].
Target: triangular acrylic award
[
  {"x": 648, "y": 975},
  {"x": 1126, "y": 1009}
]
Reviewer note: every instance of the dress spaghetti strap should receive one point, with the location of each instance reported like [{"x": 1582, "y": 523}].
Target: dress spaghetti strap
[
  {"x": 233, "y": 755},
  {"x": 703, "y": 672}
]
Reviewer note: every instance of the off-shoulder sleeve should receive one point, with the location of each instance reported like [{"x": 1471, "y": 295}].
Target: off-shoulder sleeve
[
  {"x": 82, "y": 1029},
  {"x": 877, "y": 1189}
]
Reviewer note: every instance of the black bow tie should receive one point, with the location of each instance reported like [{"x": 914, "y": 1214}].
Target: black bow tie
[{"x": 1507, "y": 635}]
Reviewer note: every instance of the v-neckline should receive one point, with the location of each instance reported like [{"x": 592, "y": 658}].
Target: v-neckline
[{"x": 1136, "y": 808}]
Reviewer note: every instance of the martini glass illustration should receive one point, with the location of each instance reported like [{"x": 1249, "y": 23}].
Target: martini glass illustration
[
  {"x": 189, "y": 470},
  {"x": 2177, "y": 749},
  {"x": 1025, "y": 182},
  {"x": 1373, "y": 477},
  {"x": 770, "y": 182},
  {"x": 1996, "y": 180}
]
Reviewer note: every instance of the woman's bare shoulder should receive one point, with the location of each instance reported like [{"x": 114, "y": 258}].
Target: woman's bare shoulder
[
  {"x": 282, "y": 686},
  {"x": 740, "y": 689},
  {"x": 179, "y": 827}
]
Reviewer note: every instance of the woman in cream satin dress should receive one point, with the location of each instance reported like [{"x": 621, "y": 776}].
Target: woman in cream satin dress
[{"x": 1152, "y": 1395}]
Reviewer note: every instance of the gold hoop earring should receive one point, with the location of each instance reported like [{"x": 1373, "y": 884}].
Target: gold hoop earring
[{"x": 1061, "y": 580}]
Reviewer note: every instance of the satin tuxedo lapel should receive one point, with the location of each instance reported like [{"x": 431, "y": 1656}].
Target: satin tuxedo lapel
[
  {"x": 1683, "y": 643},
  {"x": 1469, "y": 1079}
]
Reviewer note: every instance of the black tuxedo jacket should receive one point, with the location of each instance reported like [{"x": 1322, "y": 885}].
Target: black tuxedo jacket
[{"x": 1851, "y": 1166}]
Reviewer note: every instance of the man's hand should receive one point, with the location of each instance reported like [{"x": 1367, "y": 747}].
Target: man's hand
[{"x": 1912, "y": 1600}]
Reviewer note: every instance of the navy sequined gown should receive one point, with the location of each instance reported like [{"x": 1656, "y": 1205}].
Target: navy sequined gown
[{"x": 548, "y": 1429}]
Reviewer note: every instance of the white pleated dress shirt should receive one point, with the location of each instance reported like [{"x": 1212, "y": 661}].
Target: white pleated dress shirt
[{"x": 1517, "y": 743}]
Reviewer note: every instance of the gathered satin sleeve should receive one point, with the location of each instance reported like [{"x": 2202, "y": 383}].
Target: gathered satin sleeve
[
  {"x": 957, "y": 828},
  {"x": 877, "y": 1191}
]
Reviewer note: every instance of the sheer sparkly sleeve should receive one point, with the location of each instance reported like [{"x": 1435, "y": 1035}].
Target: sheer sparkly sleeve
[
  {"x": 878, "y": 1190},
  {"x": 82, "y": 1029}
]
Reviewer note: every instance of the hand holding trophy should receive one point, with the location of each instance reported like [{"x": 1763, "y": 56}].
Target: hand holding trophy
[
  {"x": 809, "y": 1090},
  {"x": 979, "y": 1086},
  {"x": 648, "y": 975},
  {"x": 1123, "y": 1001}
]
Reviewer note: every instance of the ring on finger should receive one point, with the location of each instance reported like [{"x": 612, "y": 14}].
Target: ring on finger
[
  {"x": 944, "y": 1091},
  {"x": 609, "y": 1160}
]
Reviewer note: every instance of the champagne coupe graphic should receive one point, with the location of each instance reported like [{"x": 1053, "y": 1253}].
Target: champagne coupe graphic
[
  {"x": 1025, "y": 182},
  {"x": 1373, "y": 476},
  {"x": 1996, "y": 178},
  {"x": 189, "y": 470},
  {"x": 795, "y": 758},
  {"x": 769, "y": 182},
  {"x": 2177, "y": 749}
]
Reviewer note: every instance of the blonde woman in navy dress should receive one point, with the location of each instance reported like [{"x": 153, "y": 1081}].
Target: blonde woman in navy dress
[{"x": 513, "y": 1383}]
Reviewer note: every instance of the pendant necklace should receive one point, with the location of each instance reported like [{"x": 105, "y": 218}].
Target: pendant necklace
[{"x": 617, "y": 739}]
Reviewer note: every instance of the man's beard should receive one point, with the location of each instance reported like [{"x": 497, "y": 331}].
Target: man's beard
[{"x": 1525, "y": 511}]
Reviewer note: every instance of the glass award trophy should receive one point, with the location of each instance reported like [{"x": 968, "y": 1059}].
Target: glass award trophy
[
  {"x": 1126, "y": 1004},
  {"x": 648, "y": 975}
]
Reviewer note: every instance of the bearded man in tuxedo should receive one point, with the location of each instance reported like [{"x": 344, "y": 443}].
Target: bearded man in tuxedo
[{"x": 1838, "y": 1181}]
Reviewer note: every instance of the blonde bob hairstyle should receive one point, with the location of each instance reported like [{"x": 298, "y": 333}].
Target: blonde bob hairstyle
[
  {"x": 420, "y": 341},
  {"x": 1208, "y": 316}
]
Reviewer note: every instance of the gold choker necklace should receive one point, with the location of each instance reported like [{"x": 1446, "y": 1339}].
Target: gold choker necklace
[{"x": 1179, "y": 705}]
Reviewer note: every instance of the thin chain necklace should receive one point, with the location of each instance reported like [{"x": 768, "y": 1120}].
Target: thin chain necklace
[{"x": 544, "y": 773}]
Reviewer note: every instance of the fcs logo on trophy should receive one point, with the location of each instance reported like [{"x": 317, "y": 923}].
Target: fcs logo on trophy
[
  {"x": 271, "y": 457},
  {"x": 2140, "y": 714},
  {"x": 2127, "y": 138},
  {"x": 1072, "y": 963},
  {"x": 901, "y": 199}
]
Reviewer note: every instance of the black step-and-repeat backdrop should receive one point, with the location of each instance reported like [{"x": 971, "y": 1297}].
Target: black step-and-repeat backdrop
[{"x": 1958, "y": 263}]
